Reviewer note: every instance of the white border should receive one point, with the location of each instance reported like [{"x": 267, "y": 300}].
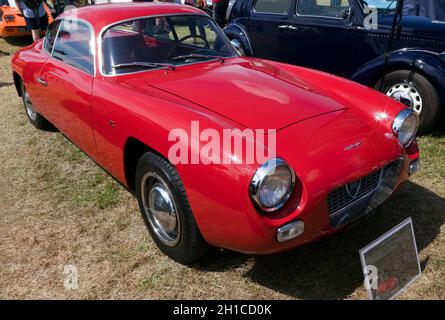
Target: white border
[{"x": 376, "y": 242}]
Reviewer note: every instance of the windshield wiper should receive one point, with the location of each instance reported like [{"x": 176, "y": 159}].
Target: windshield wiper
[
  {"x": 199, "y": 56},
  {"x": 144, "y": 65}
]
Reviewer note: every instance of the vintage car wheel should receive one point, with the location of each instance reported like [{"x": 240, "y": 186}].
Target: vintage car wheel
[
  {"x": 166, "y": 210},
  {"x": 417, "y": 93},
  {"x": 36, "y": 119}
]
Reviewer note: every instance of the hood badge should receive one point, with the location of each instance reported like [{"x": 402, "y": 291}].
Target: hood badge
[{"x": 352, "y": 146}]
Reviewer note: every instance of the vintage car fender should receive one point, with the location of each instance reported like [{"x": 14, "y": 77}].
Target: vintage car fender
[
  {"x": 429, "y": 64},
  {"x": 236, "y": 31}
]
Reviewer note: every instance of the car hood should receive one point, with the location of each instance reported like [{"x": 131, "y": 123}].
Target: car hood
[{"x": 251, "y": 92}]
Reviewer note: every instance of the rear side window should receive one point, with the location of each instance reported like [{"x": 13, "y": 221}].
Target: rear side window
[
  {"x": 50, "y": 36},
  {"x": 323, "y": 8},
  {"x": 272, "y": 6},
  {"x": 74, "y": 45}
]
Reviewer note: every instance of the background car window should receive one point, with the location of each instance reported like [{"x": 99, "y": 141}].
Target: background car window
[
  {"x": 73, "y": 45},
  {"x": 323, "y": 8},
  {"x": 50, "y": 36},
  {"x": 272, "y": 6},
  {"x": 379, "y": 4}
]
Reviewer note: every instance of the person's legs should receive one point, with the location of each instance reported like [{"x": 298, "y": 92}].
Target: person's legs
[
  {"x": 35, "y": 34},
  {"x": 32, "y": 24},
  {"x": 219, "y": 12}
]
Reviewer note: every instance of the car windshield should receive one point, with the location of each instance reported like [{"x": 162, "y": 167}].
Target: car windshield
[{"x": 163, "y": 42}]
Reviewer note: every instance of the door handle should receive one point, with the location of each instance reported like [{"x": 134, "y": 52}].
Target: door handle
[
  {"x": 284, "y": 26},
  {"x": 42, "y": 82},
  {"x": 293, "y": 28}
]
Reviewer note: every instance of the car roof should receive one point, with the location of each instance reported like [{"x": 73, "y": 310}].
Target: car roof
[{"x": 102, "y": 15}]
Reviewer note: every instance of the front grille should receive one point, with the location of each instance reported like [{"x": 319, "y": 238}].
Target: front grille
[{"x": 345, "y": 195}]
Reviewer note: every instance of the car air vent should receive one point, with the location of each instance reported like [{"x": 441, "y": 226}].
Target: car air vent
[{"x": 349, "y": 193}]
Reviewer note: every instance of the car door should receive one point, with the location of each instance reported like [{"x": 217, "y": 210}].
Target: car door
[
  {"x": 33, "y": 84},
  {"x": 67, "y": 80},
  {"x": 267, "y": 28},
  {"x": 320, "y": 37}
]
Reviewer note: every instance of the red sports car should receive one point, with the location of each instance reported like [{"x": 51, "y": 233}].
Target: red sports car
[{"x": 219, "y": 149}]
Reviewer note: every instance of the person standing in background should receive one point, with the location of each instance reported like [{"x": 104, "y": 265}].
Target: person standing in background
[
  {"x": 220, "y": 11},
  {"x": 35, "y": 16},
  {"x": 433, "y": 9}
]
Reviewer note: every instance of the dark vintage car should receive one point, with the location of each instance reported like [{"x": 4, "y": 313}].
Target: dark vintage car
[{"x": 330, "y": 35}]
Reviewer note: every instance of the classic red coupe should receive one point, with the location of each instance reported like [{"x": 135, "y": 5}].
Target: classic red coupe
[{"x": 144, "y": 89}]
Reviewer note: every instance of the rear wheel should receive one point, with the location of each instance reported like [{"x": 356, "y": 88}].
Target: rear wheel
[
  {"x": 166, "y": 210},
  {"x": 36, "y": 119},
  {"x": 416, "y": 92}
]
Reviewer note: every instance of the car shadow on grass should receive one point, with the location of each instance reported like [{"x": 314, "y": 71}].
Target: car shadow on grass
[{"x": 330, "y": 268}]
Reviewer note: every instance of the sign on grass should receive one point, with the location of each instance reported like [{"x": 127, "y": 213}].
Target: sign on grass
[{"x": 391, "y": 263}]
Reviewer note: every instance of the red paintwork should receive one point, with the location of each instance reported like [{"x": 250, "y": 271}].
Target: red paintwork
[{"x": 317, "y": 115}]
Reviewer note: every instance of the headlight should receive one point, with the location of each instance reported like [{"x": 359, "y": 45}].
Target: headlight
[
  {"x": 272, "y": 185},
  {"x": 405, "y": 126}
]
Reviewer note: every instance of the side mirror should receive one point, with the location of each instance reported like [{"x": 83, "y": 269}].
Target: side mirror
[{"x": 237, "y": 45}]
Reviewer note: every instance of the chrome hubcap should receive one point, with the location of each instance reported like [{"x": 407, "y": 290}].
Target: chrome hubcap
[
  {"x": 160, "y": 209},
  {"x": 407, "y": 94},
  {"x": 28, "y": 105}
]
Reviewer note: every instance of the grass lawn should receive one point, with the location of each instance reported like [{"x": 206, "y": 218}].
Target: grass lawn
[{"x": 59, "y": 208}]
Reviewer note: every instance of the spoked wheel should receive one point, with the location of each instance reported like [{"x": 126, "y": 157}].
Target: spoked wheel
[
  {"x": 36, "y": 119},
  {"x": 416, "y": 92},
  {"x": 166, "y": 210}
]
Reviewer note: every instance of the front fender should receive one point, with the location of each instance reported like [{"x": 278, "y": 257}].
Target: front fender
[
  {"x": 236, "y": 31},
  {"x": 429, "y": 64}
]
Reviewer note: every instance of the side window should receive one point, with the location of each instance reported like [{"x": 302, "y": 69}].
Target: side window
[
  {"x": 323, "y": 8},
  {"x": 50, "y": 36},
  {"x": 272, "y": 6},
  {"x": 74, "y": 45}
]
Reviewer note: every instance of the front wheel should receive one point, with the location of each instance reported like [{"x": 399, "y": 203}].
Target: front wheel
[
  {"x": 166, "y": 210},
  {"x": 416, "y": 92},
  {"x": 35, "y": 118}
]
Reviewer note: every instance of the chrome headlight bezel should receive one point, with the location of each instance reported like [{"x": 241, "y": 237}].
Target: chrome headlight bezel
[
  {"x": 401, "y": 120},
  {"x": 265, "y": 170}
]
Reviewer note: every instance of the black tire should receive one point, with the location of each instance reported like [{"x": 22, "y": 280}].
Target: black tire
[
  {"x": 36, "y": 119},
  {"x": 431, "y": 110},
  {"x": 191, "y": 245}
]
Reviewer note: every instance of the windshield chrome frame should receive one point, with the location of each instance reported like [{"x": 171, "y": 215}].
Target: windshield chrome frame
[{"x": 106, "y": 28}]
